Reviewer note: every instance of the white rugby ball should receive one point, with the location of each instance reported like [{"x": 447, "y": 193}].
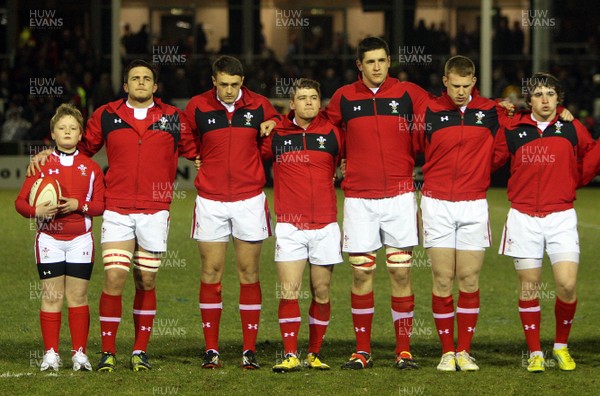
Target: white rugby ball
[{"x": 43, "y": 190}]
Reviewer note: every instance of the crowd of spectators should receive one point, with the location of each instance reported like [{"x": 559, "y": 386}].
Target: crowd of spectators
[{"x": 50, "y": 69}]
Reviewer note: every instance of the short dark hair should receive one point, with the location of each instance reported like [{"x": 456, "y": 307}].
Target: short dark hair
[
  {"x": 543, "y": 79},
  {"x": 370, "y": 44},
  {"x": 305, "y": 83},
  {"x": 460, "y": 65},
  {"x": 140, "y": 63},
  {"x": 228, "y": 65}
]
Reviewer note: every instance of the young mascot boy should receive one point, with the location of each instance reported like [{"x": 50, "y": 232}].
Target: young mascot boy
[{"x": 64, "y": 244}]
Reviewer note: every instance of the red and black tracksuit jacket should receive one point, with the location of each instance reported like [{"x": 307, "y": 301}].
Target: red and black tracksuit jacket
[
  {"x": 304, "y": 164},
  {"x": 79, "y": 177},
  {"x": 458, "y": 146},
  {"x": 379, "y": 153},
  {"x": 142, "y": 154},
  {"x": 230, "y": 143},
  {"x": 545, "y": 166}
]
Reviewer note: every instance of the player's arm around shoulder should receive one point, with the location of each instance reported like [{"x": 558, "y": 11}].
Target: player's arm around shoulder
[
  {"x": 500, "y": 153},
  {"x": 333, "y": 111},
  {"x": 266, "y": 145},
  {"x": 37, "y": 161},
  {"x": 93, "y": 138},
  {"x": 419, "y": 96},
  {"x": 271, "y": 117}
]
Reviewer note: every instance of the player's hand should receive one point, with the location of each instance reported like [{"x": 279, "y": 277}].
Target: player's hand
[
  {"x": 266, "y": 127},
  {"x": 197, "y": 163},
  {"x": 566, "y": 115},
  {"x": 343, "y": 167},
  {"x": 46, "y": 211},
  {"x": 508, "y": 107},
  {"x": 68, "y": 205},
  {"x": 37, "y": 161}
]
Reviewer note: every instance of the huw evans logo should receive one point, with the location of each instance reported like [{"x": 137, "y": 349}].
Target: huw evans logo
[
  {"x": 44, "y": 19},
  {"x": 290, "y": 19},
  {"x": 414, "y": 55},
  {"x": 537, "y": 19},
  {"x": 168, "y": 55},
  {"x": 44, "y": 87}
]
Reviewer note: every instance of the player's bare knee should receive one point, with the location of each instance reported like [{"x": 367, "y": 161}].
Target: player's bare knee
[
  {"x": 114, "y": 281},
  {"x": 248, "y": 274},
  {"x": 566, "y": 290},
  {"x": 400, "y": 275},
  {"x": 469, "y": 283},
  {"x": 363, "y": 261},
  {"x": 442, "y": 288},
  {"x": 212, "y": 270},
  {"x": 321, "y": 292},
  {"x": 145, "y": 284},
  {"x": 52, "y": 300},
  {"x": 362, "y": 282},
  {"x": 211, "y": 277},
  {"x": 360, "y": 276},
  {"x": 321, "y": 299},
  {"x": 442, "y": 281}
]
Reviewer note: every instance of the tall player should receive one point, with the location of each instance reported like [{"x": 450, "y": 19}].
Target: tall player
[
  {"x": 230, "y": 201},
  {"x": 64, "y": 245},
  {"x": 380, "y": 207},
  {"x": 545, "y": 155},
  {"x": 143, "y": 138},
  {"x": 307, "y": 149}
]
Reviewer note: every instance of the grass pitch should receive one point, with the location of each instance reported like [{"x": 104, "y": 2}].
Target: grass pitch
[{"x": 175, "y": 347}]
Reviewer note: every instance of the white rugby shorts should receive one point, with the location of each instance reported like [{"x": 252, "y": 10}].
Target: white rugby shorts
[
  {"x": 320, "y": 247},
  {"x": 247, "y": 220},
  {"x": 371, "y": 223},
  {"x": 150, "y": 230},
  {"x": 461, "y": 225},
  {"x": 526, "y": 236},
  {"x": 77, "y": 250}
]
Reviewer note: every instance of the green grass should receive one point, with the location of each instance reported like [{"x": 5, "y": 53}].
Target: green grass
[{"x": 177, "y": 342}]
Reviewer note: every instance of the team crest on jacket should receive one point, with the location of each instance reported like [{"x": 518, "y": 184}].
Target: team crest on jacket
[
  {"x": 558, "y": 125},
  {"x": 82, "y": 168},
  {"x": 248, "y": 117},
  {"x": 321, "y": 140},
  {"x": 479, "y": 116},
  {"x": 162, "y": 123},
  {"x": 394, "y": 106}
]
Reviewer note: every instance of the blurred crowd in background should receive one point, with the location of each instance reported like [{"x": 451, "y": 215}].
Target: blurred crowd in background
[{"x": 50, "y": 69}]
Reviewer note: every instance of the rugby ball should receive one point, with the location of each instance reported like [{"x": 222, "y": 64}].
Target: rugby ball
[{"x": 43, "y": 190}]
